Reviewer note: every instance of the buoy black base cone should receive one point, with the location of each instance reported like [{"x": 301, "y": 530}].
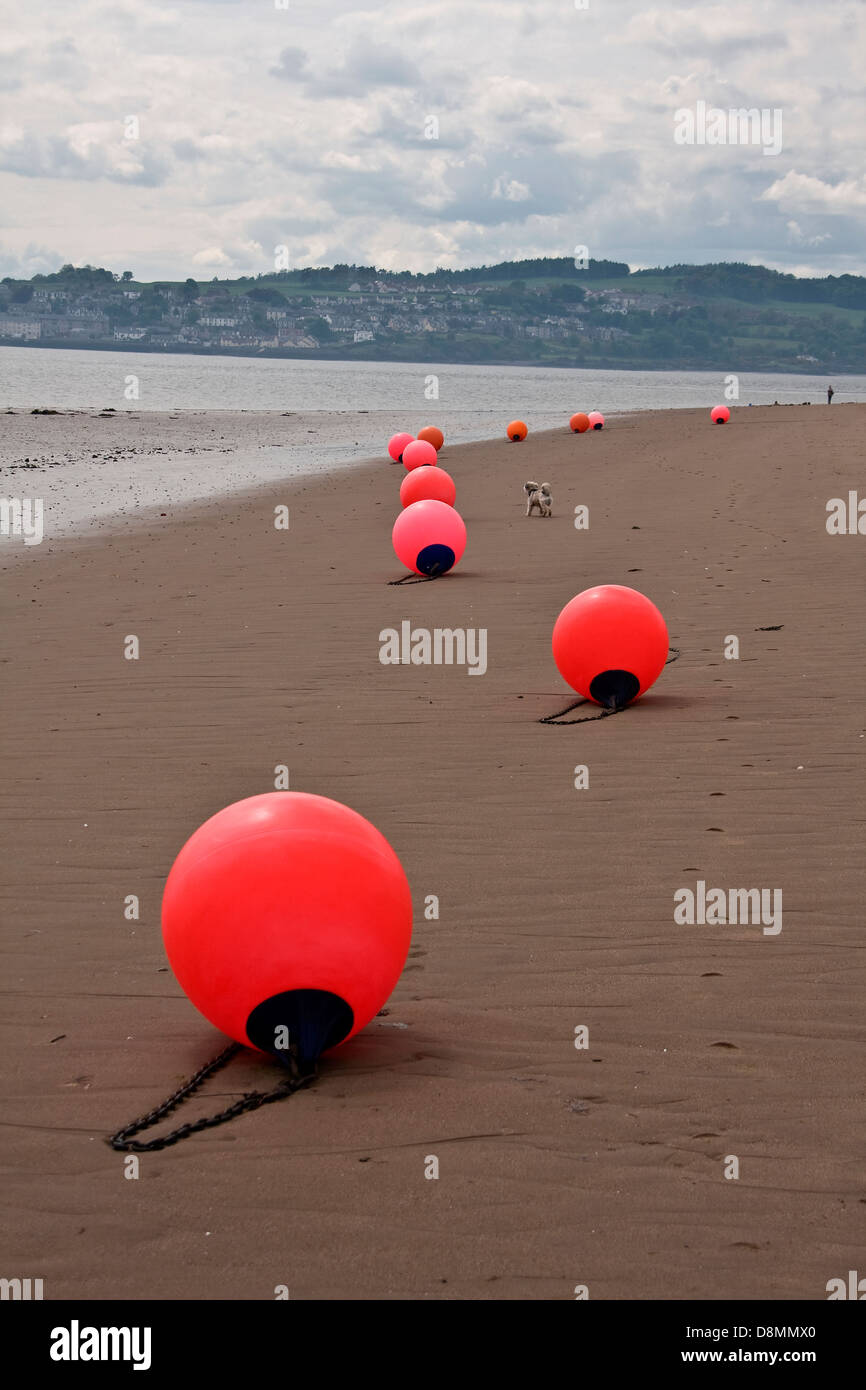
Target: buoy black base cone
[
  {"x": 614, "y": 689},
  {"x": 302, "y": 1023},
  {"x": 435, "y": 559}
]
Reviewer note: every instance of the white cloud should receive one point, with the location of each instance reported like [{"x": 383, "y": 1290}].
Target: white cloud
[
  {"x": 797, "y": 237},
  {"x": 805, "y": 193},
  {"x": 213, "y": 256},
  {"x": 512, "y": 190},
  {"x": 306, "y": 127}
]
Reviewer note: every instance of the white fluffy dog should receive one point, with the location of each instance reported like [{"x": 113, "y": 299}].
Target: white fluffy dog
[{"x": 538, "y": 497}]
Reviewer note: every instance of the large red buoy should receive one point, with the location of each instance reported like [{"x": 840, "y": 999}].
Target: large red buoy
[
  {"x": 720, "y": 414},
  {"x": 429, "y": 537},
  {"x": 418, "y": 454},
  {"x": 579, "y": 423},
  {"x": 432, "y": 435},
  {"x": 610, "y": 643},
  {"x": 428, "y": 484},
  {"x": 397, "y": 443},
  {"x": 287, "y": 919},
  {"x": 516, "y": 430}
]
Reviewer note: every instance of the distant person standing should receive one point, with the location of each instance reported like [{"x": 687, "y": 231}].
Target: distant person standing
[{"x": 830, "y": 394}]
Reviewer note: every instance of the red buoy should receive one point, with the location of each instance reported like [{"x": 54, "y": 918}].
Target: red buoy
[
  {"x": 418, "y": 454},
  {"x": 428, "y": 484},
  {"x": 397, "y": 443},
  {"x": 429, "y": 537},
  {"x": 287, "y": 919},
  {"x": 720, "y": 414},
  {"x": 610, "y": 643},
  {"x": 596, "y": 419}
]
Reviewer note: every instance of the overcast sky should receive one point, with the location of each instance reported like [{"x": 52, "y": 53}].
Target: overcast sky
[{"x": 305, "y": 127}]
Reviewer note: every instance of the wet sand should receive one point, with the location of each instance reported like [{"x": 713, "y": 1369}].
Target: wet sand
[
  {"x": 558, "y": 1167},
  {"x": 97, "y": 470}
]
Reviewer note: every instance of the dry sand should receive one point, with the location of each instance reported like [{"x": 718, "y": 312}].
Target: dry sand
[{"x": 558, "y": 1166}]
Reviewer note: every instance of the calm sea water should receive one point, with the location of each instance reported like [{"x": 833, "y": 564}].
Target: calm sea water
[{"x": 475, "y": 399}]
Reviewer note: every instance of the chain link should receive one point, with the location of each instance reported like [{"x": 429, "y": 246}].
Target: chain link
[
  {"x": 673, "y": 655},
  {"x": 125, "y": 1143},
  {"x": 415, "y": 578},
  {"x": 585, "y": 719},
  {"x": 298, "y": 1078}
]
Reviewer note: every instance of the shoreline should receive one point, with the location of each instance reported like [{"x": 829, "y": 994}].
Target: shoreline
[
  {"x": 234, "y": 452},
  {"x": 259, "y": 649},
  {"x": 601, "y": 364},
  {"x": 157, "y": 462}
]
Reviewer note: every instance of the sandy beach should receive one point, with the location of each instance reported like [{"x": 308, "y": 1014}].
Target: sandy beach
[{"x": 558, "y": 1167}]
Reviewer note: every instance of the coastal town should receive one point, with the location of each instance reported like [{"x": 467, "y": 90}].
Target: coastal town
[
  {"x": 218, "y": 315},
  {"x": 541, "y": 312}
]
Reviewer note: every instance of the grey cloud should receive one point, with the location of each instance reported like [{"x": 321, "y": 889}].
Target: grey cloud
[
  {"x": 10, "y": 72},
  {"x": 290, "y": 65},
  {"x": 367, "y": 65},
  {"x": 186, "y": 150},
  {"x": 53, "y": 157},
  {"x": 567, "y": 115},
  {"x": 32, "y": 260}
]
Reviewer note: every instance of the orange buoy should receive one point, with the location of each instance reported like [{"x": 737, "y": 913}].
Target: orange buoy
[
  {"x": 516, "y": 431},
  {"x": 433, "y": 435},
  {"x": 579, "y": 422}
]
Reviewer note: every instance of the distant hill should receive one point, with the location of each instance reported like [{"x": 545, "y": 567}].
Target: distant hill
[
  {"x": 755, "y": 284},
  {"x": 545, "y": 311}
]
